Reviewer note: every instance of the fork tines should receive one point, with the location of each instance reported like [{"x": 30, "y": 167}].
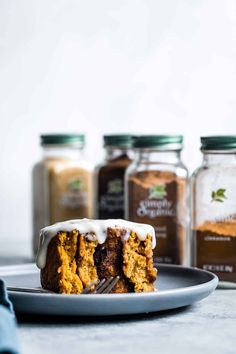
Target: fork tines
[{"x": 104, "y": 286}]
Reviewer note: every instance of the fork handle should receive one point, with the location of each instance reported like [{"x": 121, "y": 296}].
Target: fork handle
[{"x": 28, "y": 290}]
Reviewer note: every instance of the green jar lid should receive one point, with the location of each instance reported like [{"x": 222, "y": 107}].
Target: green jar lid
[
  {"x": 221, "y": 142},
  {"x": 119, "y": 140},
  {"x": 164, "y": 142},
  {"x": 63, "y": 139}
]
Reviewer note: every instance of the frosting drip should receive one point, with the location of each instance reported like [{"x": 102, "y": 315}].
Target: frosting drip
[{"x": 92, "y": 230}]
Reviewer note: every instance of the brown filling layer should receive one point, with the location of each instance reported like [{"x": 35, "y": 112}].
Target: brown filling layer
[{"x": 109, "y": 260}]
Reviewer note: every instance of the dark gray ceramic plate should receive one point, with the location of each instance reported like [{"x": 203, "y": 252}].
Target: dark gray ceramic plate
[{"x": 177, "y": 287}]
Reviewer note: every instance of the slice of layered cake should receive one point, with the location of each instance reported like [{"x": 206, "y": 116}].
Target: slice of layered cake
[{"x": 72, "y": 254}]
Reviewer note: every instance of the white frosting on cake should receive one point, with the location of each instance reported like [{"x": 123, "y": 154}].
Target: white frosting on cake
[{"x": 92, "y": 230}]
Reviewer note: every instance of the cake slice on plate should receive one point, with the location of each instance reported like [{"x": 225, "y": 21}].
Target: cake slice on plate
[{"x": 74, "y": 253}]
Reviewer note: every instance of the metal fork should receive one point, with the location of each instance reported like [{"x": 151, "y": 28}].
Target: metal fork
[{"x": 104, "y": 286}]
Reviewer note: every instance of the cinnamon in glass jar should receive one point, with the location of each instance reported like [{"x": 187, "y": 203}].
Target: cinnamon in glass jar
[
  {"x": 156, "y": 184},
  {"x": 213, "y": 204},
  {"x": 110, "y": 177}
]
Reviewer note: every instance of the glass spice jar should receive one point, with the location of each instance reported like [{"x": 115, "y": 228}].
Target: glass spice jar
[
  {"x": 213, "y": 204},
  {"x": 62, "y": 182},
  {"x": 109, "y": 177},
  {"x": 156, "y": 184}
]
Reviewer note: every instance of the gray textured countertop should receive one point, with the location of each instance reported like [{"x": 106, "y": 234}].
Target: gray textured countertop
[{"x": 206, "y": 327}]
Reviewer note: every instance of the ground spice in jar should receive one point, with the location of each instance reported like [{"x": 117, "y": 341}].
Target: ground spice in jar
[
  {"x": 215, "y": 248},
  {"x": 156, "y": 194},
  {"x": 213, "y": 209},
  {"x": 67, "y": 188},
  {"x": 166, "y": 214},
  {"x": 110, "y": 177},
  {"x": 62, "y": 183}
]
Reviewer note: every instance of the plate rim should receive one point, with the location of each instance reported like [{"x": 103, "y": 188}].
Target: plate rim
[{"x": 31, "y": 267}]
